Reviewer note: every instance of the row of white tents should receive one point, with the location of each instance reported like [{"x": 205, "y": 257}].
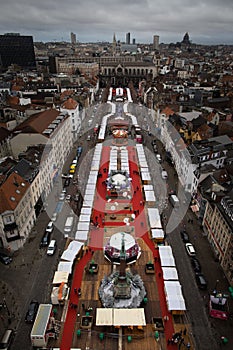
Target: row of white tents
[
  {"x": 83, "y": 224},
  {"x": 172, "y": 287}
]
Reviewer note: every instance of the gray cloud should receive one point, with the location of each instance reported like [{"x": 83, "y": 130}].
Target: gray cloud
[{"x": 206, "y": 21}]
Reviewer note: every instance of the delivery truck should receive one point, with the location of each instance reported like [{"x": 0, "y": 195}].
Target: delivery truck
[
  {"x": 40, "y": 330},
  {"x": 174, "y": 201}
]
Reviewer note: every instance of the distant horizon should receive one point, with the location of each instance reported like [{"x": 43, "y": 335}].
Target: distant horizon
[
  {"x": 142, "y": 41},
  {"x": 208, "y": 22}
]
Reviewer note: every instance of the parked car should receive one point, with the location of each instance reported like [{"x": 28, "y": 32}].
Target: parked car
[
  {"x": 164, "y": 174},
  {"x": 45, "y": 239},
  {"x": 66, "y": 176},
  {"x": 32, "y": 311},
  {"x": 52, "y": 247},
  {"x": 49, "y": 227},
  {"x": 195, "y": 265},
  {"x": 54, "y": 217},
  {"x": 153, "y": 142},
  {"x": 68, "y": 197},
  {"x": 158, "y": 158},
  {"x": 62, "y": 197},
  {"x": 201, "y": 281},
  {"x": 88, "y": 137},
  {"x": 79, "y": 151},
  {"x": 190, "y": 249},
  {"x": 184, "y": 236},
  {"x": 66, "y": 182},
  {"x": 5, "y": 259}
]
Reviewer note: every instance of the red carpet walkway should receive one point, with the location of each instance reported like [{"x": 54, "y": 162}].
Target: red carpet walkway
[
  {"x": 68, "y": 330},
  {"x": 141, "y": 229},
  {"x": 96, "y": 242}
]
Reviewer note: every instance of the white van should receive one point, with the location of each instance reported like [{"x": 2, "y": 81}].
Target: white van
[
  {"x": 52, "y": 247},
  {"x": 174, "y": 201},
  {"x": 68, "y": 225}
]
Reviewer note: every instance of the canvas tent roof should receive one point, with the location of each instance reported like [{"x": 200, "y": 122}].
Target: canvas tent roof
[
  {"x": 157, "y": 233},
  {"x": 60, "y": 276},
  {"x": 81, "y": 236},
  {"x": 65, "y": 266},
  {"x": 116, "y": 240},
  {"x": 169, "y": 273},
  {"x": 154, "y": 218},
  {"x": 72, "y": 251},
  {"x": 120, "y": 317},
  {"x": 166, "y": 256}
]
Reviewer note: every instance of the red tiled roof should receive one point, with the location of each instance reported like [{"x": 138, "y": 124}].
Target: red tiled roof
[
  {"x": 14, "y": 100},
  {"x": 168, "y": 111},
  {"x": 9, "y": 198},
  {"x": 38, "y": 122},
  {"x": 70, "y": 104}
]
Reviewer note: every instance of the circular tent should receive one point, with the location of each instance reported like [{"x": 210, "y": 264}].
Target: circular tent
[{"x": 113, "y": 248}]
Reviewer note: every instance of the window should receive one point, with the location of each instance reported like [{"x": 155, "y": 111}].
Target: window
[{"x": 8, "y": 219}]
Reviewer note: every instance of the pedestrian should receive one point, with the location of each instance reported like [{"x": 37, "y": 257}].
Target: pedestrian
[
  {"x": 181, "y": 342},
  {"x": 184, "y": 331},
  {"x": 75, "y": 290},
  {"x": 169, "y": 341},
  {"x": 188, "y": 346}
]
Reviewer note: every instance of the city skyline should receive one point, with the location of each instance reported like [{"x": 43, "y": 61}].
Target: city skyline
[{"x": 207, "y": 22}]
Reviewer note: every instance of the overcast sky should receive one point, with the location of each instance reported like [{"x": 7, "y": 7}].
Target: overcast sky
[{"x": 207, "y": 21}]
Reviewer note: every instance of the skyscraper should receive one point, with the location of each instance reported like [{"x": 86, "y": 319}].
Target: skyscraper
[
  {"x": 155, "y": 42},
  {"x": 127, "y": 40},
  {"x": 73, "y": 38},
  {"x": 17, "y": 49}
]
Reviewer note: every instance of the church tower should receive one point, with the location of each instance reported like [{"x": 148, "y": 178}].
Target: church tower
[{"x": 114, "y": 44}]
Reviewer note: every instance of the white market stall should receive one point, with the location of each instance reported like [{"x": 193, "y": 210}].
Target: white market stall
[
  {"x": 154, "y": 218},
  {"x": 166, "y": 256},
  {"x": 170, "y": 273}
]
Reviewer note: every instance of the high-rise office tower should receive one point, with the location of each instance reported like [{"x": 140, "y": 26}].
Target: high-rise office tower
[
  {"x": 73, "y": 38},
  {"x": 134, "y": 41},
  {"x": 17, "y": 49},
  {"x": 127, "y": 40},
  {"x": 155, "y": 42}
]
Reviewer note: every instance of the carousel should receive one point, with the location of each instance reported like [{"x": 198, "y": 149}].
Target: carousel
[
  {"x": 118, "y": 184},
  {"x": 112, "y": 250},
  {"x": 120, "y": 137},
  {"x": 122, "y": 289}
]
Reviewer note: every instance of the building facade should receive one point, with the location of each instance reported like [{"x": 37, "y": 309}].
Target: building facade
[
  {"x": 218, "y": 224},
  {"x": 17, "y": 214},
  {"x": 17, "y": 49}
]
